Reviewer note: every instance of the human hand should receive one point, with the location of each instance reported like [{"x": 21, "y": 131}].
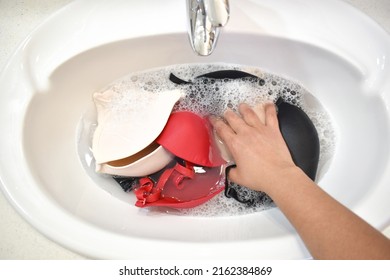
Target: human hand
[{"x": 256, "y": 145}]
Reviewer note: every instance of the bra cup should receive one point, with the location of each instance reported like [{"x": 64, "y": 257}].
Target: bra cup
[
  {"x": 301, "y": 137},
  {"x": 189, "y": 137},
  {"x": 147, "y": 165}
]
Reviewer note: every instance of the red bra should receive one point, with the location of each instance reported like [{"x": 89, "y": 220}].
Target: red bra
[{"x": 180, "y": 186}]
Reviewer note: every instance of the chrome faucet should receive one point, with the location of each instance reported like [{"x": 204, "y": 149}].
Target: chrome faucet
[{"x": 206, "y": 17}]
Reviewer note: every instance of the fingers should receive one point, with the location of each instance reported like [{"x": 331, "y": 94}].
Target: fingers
[
  {"x": 260, "y": 115},
  {"x": 223, "y": 130},
  {"x": 235, "y": 121},
  {"x": 271, "y": 117},
  {"x": 253, "y": 117},
  {"x": 260, "y": 112}
]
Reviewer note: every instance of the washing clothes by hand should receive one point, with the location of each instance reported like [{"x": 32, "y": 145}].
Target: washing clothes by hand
[
  {"x": 264, "y": 137},
  {"x": 170, "y": 124}
]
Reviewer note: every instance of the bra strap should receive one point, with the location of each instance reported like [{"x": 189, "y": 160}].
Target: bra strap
[
  {"x": 231, "y": 192},
  {"x": 149, "y": 192}
]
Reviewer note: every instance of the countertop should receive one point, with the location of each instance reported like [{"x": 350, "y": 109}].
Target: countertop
[{"x": 19, "y": 240}]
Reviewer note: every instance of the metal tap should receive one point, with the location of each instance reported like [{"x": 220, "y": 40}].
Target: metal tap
[{"x": 205, "y": 18}]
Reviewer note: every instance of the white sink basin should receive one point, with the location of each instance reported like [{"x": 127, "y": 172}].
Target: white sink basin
[{"x": 337, "y": 53}]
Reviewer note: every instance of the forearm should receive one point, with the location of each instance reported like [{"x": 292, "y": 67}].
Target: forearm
[{"x": 329, "y": 230}]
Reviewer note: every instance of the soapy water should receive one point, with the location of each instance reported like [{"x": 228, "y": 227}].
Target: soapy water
[{"x": 206, "y": 96}]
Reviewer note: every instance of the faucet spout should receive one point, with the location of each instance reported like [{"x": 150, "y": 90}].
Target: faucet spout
[{"x": 205, "y": 18}]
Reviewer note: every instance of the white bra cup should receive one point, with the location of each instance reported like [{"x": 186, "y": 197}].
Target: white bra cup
[
  {"x": 129, "y": 121},
  {"x": 145, "y": 166}
]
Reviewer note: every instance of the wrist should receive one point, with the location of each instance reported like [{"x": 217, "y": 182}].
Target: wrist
[{"x": 287, "y": 180}]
